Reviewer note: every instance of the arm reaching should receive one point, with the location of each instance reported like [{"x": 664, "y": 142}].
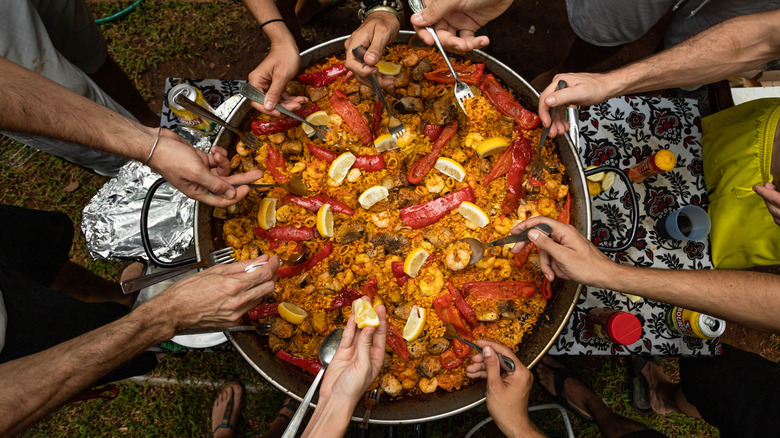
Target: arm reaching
[
  {"x": 745, "y": 297},
  {"x": 456, "y": 22},
  {"x": 374, "y": 34}
]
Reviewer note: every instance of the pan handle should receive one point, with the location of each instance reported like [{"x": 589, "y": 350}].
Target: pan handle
[
  {"x": 634, "y": 207},
  {"x": 145, "y": 241}
]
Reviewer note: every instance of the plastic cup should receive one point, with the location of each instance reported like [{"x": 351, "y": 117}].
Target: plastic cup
[{"x": 687, "y": 223}]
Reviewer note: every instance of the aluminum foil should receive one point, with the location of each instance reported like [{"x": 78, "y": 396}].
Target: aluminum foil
[{"x": 111, "y": 220}]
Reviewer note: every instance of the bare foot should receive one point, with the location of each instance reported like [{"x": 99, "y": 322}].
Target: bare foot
[
  {"x": 662, "y": 389},
  {"x": 227, "y": 407},
  {"x": 576, "y": 393}
]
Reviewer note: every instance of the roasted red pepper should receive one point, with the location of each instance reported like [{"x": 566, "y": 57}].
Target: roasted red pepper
[
  {"x": 264, "y": 311},
  {"x": 290, "y": 233},
  {"x": 371, "y": 288},
  {"x": 427, "y": 161},
  {"x": 311, "y": 365},
  {"x": 500, "y": 167},
  {"x": 398, "y": 272},
  {"x": 421, "y": 215},
  {"x": 449, "y": 314},
  {"x": 470, "y": 74},
  {"x": 500, "y": 290},
  {"x": 376, "y": 120},
  {"x": 546, "y": 289},
  {"x": 345, "y": 298},
  {"x": 369, "y": 163},
  {"x": 450, "y": 360},
  {"x": 397, "y": 343},
  {"x": 313, "y": 203},
  {"x": 465, "y": 309},
  {"x": 264, "y": 128},
  {"x": 522, "y": 256},
  {"x": 565, "y": 214},
  {"x": 433, "y": 131},
  {"x": 323, "y": 77},
  {"x": 350, "y": 114},
  {"x": 289, "y": 271},
  {"x": 460, "y": 348},
  {"x": 507, "y": 106},
  {"x": 323, "y": 153},
  {"x": 535, "y": 182},
  {"x": 521, "y": 150},
  {"x": 274, "y": 162}
]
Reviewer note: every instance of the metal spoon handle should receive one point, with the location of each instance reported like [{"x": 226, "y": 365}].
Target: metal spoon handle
[
  {"x": 258, "y": 96},
  {"x": 504, "y": 362},
  {"x": 441, "y": 49},
  {"x": 561, "y": 85},
  {"x": 522, "y": 237},
  {"x": 189, "y": 105},
  {"x": 297, "y": 419}
]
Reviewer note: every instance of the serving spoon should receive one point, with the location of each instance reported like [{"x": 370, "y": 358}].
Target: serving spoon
[
  {"x": 327, "y": 350},
  {"x": 478, "y": 247}
]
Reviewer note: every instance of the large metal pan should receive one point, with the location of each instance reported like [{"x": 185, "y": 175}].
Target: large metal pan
[{"x": 428, "y": 407}]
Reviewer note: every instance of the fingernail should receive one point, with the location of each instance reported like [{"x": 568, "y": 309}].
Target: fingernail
[
  {"x": 533, "y": 234},
  {"x": 268, "y": 106},
  {"x": 550, "y": 101},
  {"x": 230, "y": 194},
  {"x": 487, "y": 351},
  {"x": 416, "y": 18},
  {"x": 371, "y": 57},
  {"x": 550, "y": 277}
]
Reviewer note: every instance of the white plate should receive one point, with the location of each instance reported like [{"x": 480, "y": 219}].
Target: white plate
[{"x": 203, "y": 340}]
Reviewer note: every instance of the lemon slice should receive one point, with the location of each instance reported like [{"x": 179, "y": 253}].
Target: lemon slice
[
  {"x": 365, "y": 315},
  {"x": 491, "y": 146},
  {"x": 340, "y": 166},
  {"x": 596, "y": 177},
  {"x": 291, "y": 313},
  {"x": 388, "y": 68},
  {"x": 316, "y": 118},
  {"x": 385, "y": 142},
  {"x": 372, "y": 195},
  {"x": 415, "y": 323},
  {"x": 414, "y": 261},
  {"x": 609, "y": 179},
  {"x": 266, "y": 216},
  {"x": 594, "y": 188},
  {"x": 473, "y": 213},
  {"x": 451, "y": 168},
  {"x": 325, "y": 221}
]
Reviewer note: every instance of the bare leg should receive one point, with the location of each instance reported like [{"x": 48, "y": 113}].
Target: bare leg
[
  {"x": 666, "y": 396},
  {"x": 77, "y": 282},
  {"x": 114, "y": 81},
  {"x": 278, "y": 426},
  {"x": 227, "y": 404}
]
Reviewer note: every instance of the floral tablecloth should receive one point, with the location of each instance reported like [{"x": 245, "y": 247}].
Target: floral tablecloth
[{"x": 620, "y": 133}]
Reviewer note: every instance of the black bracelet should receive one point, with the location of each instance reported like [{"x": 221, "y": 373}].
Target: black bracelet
[{"x": 269, "y": 22}]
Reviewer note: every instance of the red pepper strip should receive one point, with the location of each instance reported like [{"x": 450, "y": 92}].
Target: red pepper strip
[
  {"x": 427, "y": 161},
  {"x": 345, "y": 298},
  {"x": 460, "y": 348},
  {"x": 323, "y": 77},
  {"x": 311, "y": 365},
  {"x": 521, "y": 156},
  {"x": 500, "y": 290},
  {"x": 463, "y": 306},
  {"x": 264, "y": 128},
  {"x": 259, "y": 232},
  {"x": 507, "y": 106},
  {"x": 500, "y": 167},
  {"x": 347, "y": 77},
  {"x": 369, "y": 163},
  {"x": 565, "y": 214},
  {"x": 449, "y": 314},
  {"x": 535, "y": 182},
  {"x": 433, "y": 131},
  {"x": 274, "y": 162},
  {"x": 376, "y": 120},
  {"x": 470, "y": 74},
  {"x": 313, "y": 203},
  {"x": 421, "y": 215},
  {"x": 350, "y": 114},
  {"x": 398, "y": 272},
  {"x": 289, "y": 271},
  {"x": 264, "y": 310},
  {"x": 289, "y": 232},
  {"x": 450, "y": 360},
  {"x": 522, "y": 256},
  {"x": 371, "y": 288},
  {"x": 397, "y": 343},
  {"x": 323, "y": 153},
  {"x": 546, "y": 289}
]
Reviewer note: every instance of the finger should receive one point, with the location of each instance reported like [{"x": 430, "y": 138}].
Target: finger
[
  {"x": 434, "y": 12},
  {"x": 492, "y": 369},
  {"x": 545, "y": 263},
  {"x": 376, "y": 48},
  {"x": 349, "y": 333},
  {"x": 498, "y": 347},
  {"x": 364, "y": 343},
  {"x": 245, "y": 178},
  {"x": 424, "y": 35},
  {"x": 381, "y": 332}
]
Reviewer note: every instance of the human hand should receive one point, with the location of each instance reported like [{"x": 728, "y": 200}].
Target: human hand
[
  {"x": 771, "y": 199},
  {"x": 456, "y": 21},
  {"x": 507, "y": 395},
  {"x": 218, "y": 296},
  {"x": 582, "y": 89},
  {"x": 566, "y": 253},
  {"x": 374, "y": 34},
  {"x": 202, "y": 177},
  {"x": 357, "y": 362},
  {"x": 272, "y": 76}
]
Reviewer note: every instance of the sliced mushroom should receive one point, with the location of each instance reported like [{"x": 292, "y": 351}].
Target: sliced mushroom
[
  {"x": 409, "y": 105},
  {"x": 438, "y": 345}
]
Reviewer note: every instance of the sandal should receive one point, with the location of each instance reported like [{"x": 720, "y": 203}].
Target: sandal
[
  {"x": 640, "y": 390},
  {"x": 560, "y": 375},
  {"x": 225, "y": 423}
]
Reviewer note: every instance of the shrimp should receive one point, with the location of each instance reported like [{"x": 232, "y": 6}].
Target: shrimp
[
  {"x": 459, "y": 156},
  {"x": 434, "y": 183},
  {"x": 502, "y": 225},
  {"x": 389, "y": 261},
  {"x": 390, "y": 385},
  {"x": 235, "y": 161},
  {"x": 233, "y": 241},
  {"x": 410, "y": 60},
  {"x": 381, "y": 220},
  {"x": 472, "y": 140},
  {"x": 457, "y": 255},
  {"x": 545, "y": 206},
  {"x": 408, "y": 378},
  {"x": 362, "y": 264},
  {"x": 241, "y": 149},
  {"x": 504, "y": 268},
  {"x": 527, "y": 210},
  {"x": 240, "y": 228},
  {"x": 298, "y": 167},
  {"x": 432, "y": 286},
  {"x": 486, "y": 263},
  {"x": 283, "y": 213},
  {"x": 316, "y": 170},
  {"x": 277, "y": 138},
  {"x": 427, "y": 385},
  {"x": 563, "y": 190}
]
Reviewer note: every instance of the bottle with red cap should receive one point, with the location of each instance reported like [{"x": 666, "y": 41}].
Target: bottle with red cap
[{"x": 613, "y": 325}]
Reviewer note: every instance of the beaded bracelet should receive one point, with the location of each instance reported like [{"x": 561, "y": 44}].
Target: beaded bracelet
[
  {"x": 154, "y": 146},
  {"x": 367, "y": 7}
]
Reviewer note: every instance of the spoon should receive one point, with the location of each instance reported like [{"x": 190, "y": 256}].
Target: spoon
[
  {"x": 504, "y": 362},
  {"x": 262, "y": 329},
  {"x": 252, "y": 93},
  {"x": 478, "y": 247},
  {"x": 327, "y": 350},
  {"x": 295, "y": 185}
]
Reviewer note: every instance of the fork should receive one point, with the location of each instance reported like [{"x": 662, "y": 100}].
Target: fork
[
  {"x": 462, "y": 90},
  {"x": 218, "y": 257},
  {"x": 252, "y": 93},
  {"x": 249, "y": 139},
  {"x": 394, "y": 125},
  {"x": 370, "y": 400},
  {"x": 538, "y": 166}
]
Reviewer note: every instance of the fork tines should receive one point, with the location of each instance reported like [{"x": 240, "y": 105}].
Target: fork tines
[{"x": 222, "y": 256}]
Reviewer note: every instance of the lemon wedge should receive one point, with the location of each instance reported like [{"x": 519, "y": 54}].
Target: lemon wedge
[
  {"x": 325, "y": 221},
  {"x": 415, "y": 323},
  {"x": 340, "y": 166},
  {"x": 266, "y": 216},
  {"x": 609, "y": 179},
  {"x": 414, "y": 261},
  {"x": 385, "y": 142},
  {"x": 291, "y": 313},
  {"x": 365, "y": 315},
  {"x": 451, "y": 168},
  {"x": 372, "y": 195},
  {"x": 492, "y": 146},
  {"x": 594, "y": 188},
  {"x": 388, "y": 68},
  {"x": 316, "y": 118},
  {"x": 596, "y": 177},
  {"x": 473, "y": 213}
]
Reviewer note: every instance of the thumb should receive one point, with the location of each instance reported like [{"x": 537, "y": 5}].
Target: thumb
[
  {"x": 492, "y": 367},
  {"x": 543, "y": 242},
  {"x": 433, "y": 13},
  {"x": 274, "y": 94}
]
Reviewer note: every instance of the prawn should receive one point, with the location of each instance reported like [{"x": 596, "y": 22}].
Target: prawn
[
  {"x": 504, "y": 268},
  {"x": 381, "y": 220},
  {"x": 432, "y": 287},
  {"x": 434, "y": 183},
  {"x": 427, "y": 385},
  {"x": 527, "y": 210},
  {"x": 545, "y": 206},
  {"x": 241, "y": 149},
  {"x": 457, "y": 255},
  {"x": 362, "y": 264},
  {"x": 390, "y": 385}
]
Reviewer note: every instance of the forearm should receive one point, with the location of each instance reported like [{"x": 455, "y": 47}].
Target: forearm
[
  {"x": 731, "y": 47},
  {"x": 35, "y": 385},
  {"x": 277, "y": 32},
  {"x": 330, "y": 419}
]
